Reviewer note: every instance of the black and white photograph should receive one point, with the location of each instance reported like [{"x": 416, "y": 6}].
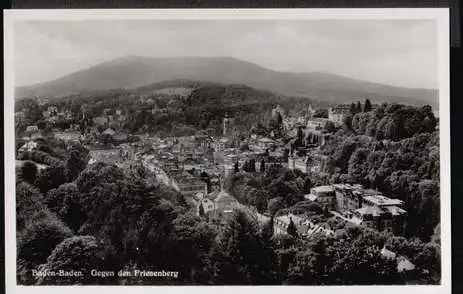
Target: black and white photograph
[{"x": 228, "y": 148}]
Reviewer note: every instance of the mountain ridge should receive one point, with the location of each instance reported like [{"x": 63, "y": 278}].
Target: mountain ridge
[{"x": 138, "y": 71}]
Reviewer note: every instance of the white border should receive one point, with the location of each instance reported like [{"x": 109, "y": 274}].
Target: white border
[{"x": 441, "y": 15}]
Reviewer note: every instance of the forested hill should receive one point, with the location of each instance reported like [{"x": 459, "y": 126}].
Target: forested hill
[
  {"x": 187, "y": 104},
  {"x": 135, "y": 71}
]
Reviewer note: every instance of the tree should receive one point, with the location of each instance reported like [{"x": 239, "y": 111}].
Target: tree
[
  {"x": 353, "y": 109},
  {"x": 65, "y": 202},
  {"x": 237, "y": 256},
  {"x": 347, "y": 121},
  {"x": 329, "y": 127},
  {"x": 302, "y": 270},
  {"x": 300, "y": 137},
  {"x": 40, "y": 237},
  {"x": 201, "y": 210},
  {"x": 367, "y": 106},
  {"x": 79, "y": 253},
  {"x": 29, "y": 201},
  {"x": 75, "y": 163},
  {"x": 323, "y": 113},
  {"x": 291, "y": 229},
  {"x": 359, "y": 107},
  {"x": 357, "y": 260},
  {"x": 192, "y": 240},
  {"x": 29, "y": 172},
  {"x": 246, "y": 166},
  {"x": 52, "y": 177}
]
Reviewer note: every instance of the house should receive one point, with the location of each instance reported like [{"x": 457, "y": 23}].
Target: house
[
  {"x": 20, "y": 163},
  {"x": 109, "y": 132},
  {"x": 20, "y": 115},
  {"x": 32, "y": 129},
  {"x": 68, "y": 136},
  {"x": 325, "y": 195},
  {"x": 348, "y": 197},
  {"x": 337, "y": 114},
  {"x": 52, "y": 110},
  {"x": 300, "y": 163},
  {"x": 100, "y": 120},
  {"x": 220, "y": 145},
  {"x": 316, "y": 124},
  {"x": 188, "y": 185},
  {"x": 403, "y": 264},
  {"x": 28, "y": 146},
  {"x": 265, "y": 143},
  {"x": 305, "y": 227},
  {"x": 106, "y": 155},
  {"x": 281, "y": 223}
]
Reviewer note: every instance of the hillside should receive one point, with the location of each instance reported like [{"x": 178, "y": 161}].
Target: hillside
[{"x": 133, "y": 71}]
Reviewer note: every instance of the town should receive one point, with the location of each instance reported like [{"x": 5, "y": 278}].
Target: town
[{"x": 198, "y": 166}]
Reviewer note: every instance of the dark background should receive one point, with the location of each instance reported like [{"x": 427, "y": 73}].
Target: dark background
[{"x": 456, "y": 76}]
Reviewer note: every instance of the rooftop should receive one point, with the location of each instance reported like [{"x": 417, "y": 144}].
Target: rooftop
[
  {"x": 323, "y": 189},
  {"x": 394, "y": 210},
  {"x": 404, "y": 265},
  {"x": 387, "y": 253},
  {"x": 381, "y": 200},
  {"x": 370, "y": 210}
]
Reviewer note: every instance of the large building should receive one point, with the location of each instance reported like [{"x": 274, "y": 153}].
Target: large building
[
  {"x": 370, "y": 208},
  {"x": 188, "y": 185},
  {"x": 325, "y": 195},
  {"x": 337, "y": 114},
  {"x": 227, "y": 125},
  {"x": 68, "y": 136},
  {"x": 305, "y": 227}
]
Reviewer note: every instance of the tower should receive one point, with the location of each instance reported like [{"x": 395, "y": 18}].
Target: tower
[{"x": 227, "y": 125}]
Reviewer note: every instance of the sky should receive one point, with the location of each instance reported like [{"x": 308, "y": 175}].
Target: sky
[{"x": 393, "y": 52}]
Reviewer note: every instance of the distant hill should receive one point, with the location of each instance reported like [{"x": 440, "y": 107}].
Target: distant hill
[{"x": 134, "y": 71}]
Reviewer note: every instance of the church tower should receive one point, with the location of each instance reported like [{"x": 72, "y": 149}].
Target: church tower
[{"x": 227, "y": 125}]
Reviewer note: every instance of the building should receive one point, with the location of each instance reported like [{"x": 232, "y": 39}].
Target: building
[
  {"x": 71, "y": 136},
  {"x": 265, "y": 143},
  {"x": 32, "y": 129},
  {"x": 206, "y": 201},
  {"x": 106, "y": 155},
  {"x": 20, "y": 116},
  {"x": 188, "y": 185},
  {"x": 381, "y": 213},
  {"x": 315, "y": 137},
  {"x": 221, "y": 144},
  {"x": 316, "y": 124},
  {"x": 170, "y": 164},
  {"x": 28, "y": 146},
  {"x": 337, "y": 114},
  {"x": 305, "y": 227},
  {"x": 300, "y": 163},
  {"x": 109, "y": 132},
  {"x": 278, "y": 110},
  {"x": 403, "y": 264},
  {"x": 227, "y": 125},
  {"x": 52, "y": 110},
  {"x": 325, "y": 195},
  {"x": 348, "y": 197}
]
